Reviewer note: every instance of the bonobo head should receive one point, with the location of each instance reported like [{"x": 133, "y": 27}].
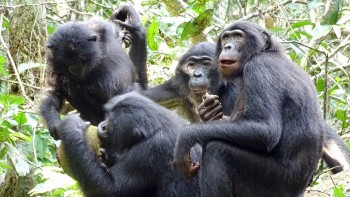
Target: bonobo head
[
  {"x": 238, "y": 43},
  {"x": 198, "y": 66},
  {"x": 74, "y": 48}
]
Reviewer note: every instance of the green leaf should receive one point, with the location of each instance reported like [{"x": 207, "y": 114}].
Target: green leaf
[
  {"x": 338, "y": 192},
  {"x": 27, "y": 66},
  {"x": 341, "y": 115},
  {"x": 20, "y": 118},
  {"x": 8, "y": 100},
  {"x": 320, "y": 85},
  {"x": 332, "y": 15},
  {"x": 301, "y": 24},
  {"x": 197, "y": 25},
  {"x": 153, "y": 30}
]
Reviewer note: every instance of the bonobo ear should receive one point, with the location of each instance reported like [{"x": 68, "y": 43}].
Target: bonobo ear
[
  {"x": 93, "y": 37},
  {"x": 267, "y": 38}
]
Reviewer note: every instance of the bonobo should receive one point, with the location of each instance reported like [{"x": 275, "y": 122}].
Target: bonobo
[
  {"x": 272, "y": 142},
  {"x": 87, "y": 65},
  {"x": 139, "y": 136},
  {"x": 195, "y": 75}
]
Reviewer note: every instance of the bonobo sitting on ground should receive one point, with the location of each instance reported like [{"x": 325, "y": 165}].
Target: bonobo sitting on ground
[
  {"x": 139, "y": 137},
  {"x": 272, "y": 143}
]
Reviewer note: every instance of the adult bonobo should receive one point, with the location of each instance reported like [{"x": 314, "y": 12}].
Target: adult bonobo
[
  {"x": 87, "y": 65},
  {"x": 272, "y": 143},
  {"x": 139, "y": 137},
  {"x": 195, "y": 75}
]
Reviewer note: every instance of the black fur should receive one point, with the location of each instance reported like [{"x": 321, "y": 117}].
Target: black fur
[
  {"x": 86, "y": 65},
  {"x": 272, "y": 145},
  {"x": 140, "y": 135},
  {"x": 176, "y": 92}
]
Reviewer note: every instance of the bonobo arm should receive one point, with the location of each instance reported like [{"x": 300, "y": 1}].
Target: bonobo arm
[
  {"x": 167, "y": 94},
  {"x": 259, "y": 128},
  {"x": 127, "y": 17},
  {"x": 128, "y": 177},
  {"x": 49, "y": 109}
]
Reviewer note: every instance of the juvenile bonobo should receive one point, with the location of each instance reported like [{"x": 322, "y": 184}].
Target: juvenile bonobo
[
  {"x": 195, "y": 75},
  {"x": 140, "y": 137},
  {"x": 87, "y": 65},
  {"x": 272, "y": 142}
]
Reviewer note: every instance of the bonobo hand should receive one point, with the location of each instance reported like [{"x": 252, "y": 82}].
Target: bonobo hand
[
  {"x": 128, "y": 19},
  {"x": 182, "y": 159},
  {"x": 210, "y": 108},
  {"x": 71, "y": 123}
]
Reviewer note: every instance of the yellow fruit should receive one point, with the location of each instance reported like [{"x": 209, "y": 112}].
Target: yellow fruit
[{"x": 93, "y": 141}]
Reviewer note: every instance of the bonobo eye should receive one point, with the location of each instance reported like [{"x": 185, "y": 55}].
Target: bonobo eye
[
  {"x": 207, "y": 63},
  {"x": 224, "y": 37},
  {"x": 93, "y": 37},
  {"x": 237, "y": 34},
  {"x": 103, "y": 129},
  {"x": 190, "y": 64}
]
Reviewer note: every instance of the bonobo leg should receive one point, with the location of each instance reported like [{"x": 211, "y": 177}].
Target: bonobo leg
[
  {"x": 334, "y": 151},
  {"x": 228, "y": 170}
]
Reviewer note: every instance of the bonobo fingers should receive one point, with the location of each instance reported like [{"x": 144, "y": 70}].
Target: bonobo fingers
[
  {"x": 187, "y": 167},
  {"x": 126, "y": 38},
  {"x": 210, "y": 108}
]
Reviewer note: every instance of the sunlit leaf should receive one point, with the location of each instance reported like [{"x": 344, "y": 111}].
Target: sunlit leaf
[
  {"x": 320, "y": 31},
  {"x": 153, "y": 30},
  {"x": 314, "y": 4},
  {"x": 301, "y": 24},
  {"x": 338, "y": 192},
  {"x": 20, "y": 118},
  {"x": 27, "y": 66},
  {"x": 8, "y": 100},
  {"x": 337, "y": 30},
  {"x": 21, "y": 165}
]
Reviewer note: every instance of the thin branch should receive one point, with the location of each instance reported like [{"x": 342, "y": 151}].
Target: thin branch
[
  {"x": 255, "y": 14},
  {"x": 25, "y": 84},
  {"x": 343, "y": 44},
  {"x": 14, "y": 67},
  {"x": 32, "y": 4}
]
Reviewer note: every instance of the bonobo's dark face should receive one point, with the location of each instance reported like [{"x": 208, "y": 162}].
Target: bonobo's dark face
[
  {"x": 73, "y": 49},
  {"x": 198, "y": 69},
  {"x": 232, "y": 44}
]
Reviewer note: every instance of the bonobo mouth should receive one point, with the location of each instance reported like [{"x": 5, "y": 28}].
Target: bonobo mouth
[
  {"x": 227, "y": 63},
  {"x": 199, "y": 92}
]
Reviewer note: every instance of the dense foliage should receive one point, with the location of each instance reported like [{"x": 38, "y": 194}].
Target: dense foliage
[{"x": 315, "y": 35}]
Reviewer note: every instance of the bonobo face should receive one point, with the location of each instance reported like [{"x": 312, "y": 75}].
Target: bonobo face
[
  {"x": 232, "y": 44},
  {"x": 198, "y": 68},
  {"x": 73, "y": 49}
]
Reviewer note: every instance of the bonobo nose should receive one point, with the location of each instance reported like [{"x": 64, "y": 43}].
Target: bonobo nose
[
  {"x": 228, "y": 46},
  {"x": 197, "y": 74}
]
